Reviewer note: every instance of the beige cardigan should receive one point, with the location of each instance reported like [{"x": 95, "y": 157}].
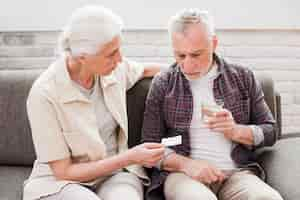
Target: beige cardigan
[{"x": 63, "y": 123}]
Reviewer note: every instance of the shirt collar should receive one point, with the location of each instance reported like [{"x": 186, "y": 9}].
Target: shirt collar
[
  {"x": 68, "y": 92},
  {"x": 108, "y": 80}
]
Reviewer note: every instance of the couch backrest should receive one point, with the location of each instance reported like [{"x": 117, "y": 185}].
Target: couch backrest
[
  {"x": 136, "y": 97},
  {"x": 16, "y": 146}
]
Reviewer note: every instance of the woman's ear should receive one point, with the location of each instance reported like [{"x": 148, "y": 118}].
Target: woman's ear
[
  {"x": 215, "y": 42},
  {"x": 82, "y": 59}
]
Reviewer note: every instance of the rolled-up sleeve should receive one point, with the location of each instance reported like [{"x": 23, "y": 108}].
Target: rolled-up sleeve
[
  {"x": 46, "y": 132},
  {"x": 261, "y": 116},
  {"x": 258, "y": 135}
]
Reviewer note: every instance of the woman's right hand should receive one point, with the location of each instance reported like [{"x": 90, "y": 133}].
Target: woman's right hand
[{"x": 146, "y": 154}]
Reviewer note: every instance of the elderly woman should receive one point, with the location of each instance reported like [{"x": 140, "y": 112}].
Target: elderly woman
[{"x": 77, "y": 113}]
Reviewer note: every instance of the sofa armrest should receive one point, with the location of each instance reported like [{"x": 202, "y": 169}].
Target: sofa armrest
[
  {"x": 278, "y": 114},
  {"x": 272, "y": 98},
  {"x": 290, "y": 135},
  {"x": 282, "y": 166}
]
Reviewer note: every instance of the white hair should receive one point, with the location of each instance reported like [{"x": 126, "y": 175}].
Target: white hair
[
  {"x": 186, "y": 17},
  {"x": 88, "y": 29}
]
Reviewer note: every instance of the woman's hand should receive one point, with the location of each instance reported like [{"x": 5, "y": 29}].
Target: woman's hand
[{"x": 146, "y": 154}]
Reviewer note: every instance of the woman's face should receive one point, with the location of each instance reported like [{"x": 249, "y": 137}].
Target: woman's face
[{"x": 105, "y": 60}]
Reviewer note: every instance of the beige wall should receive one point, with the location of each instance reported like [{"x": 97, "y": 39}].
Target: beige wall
[
  {"x": 16, "y": 15},
  {"x": 276, "y": 52}
]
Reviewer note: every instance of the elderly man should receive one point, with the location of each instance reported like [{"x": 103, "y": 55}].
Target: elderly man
[
  {"x": 215, "y": 158},
  {"x": 78, "y": 118}
]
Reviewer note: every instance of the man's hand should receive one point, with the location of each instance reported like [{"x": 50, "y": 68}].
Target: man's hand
[{"x": 202, "y": 171}]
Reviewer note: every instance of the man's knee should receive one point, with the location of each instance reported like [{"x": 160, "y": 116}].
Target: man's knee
[
  {"x": 181, "y": 187},
  {"x": 245, "y": 185},
  {"x": 271, "y": 195}
]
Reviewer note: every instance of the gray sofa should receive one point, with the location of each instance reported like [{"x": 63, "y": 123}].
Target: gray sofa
[{"x": 281, "y": 162}]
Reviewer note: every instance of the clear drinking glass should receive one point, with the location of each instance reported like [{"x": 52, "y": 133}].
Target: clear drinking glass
[{"x": 210, "y": 108}]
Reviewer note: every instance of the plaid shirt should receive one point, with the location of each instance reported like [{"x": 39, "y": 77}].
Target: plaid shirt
[{"x": 169, "y": 109}]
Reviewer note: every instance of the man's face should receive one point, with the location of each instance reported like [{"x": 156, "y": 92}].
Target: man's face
[{"x": 193, "y": 50}]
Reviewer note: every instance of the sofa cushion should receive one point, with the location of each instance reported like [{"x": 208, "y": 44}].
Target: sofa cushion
[
  {"x": 11, "y": 181},
  {"x": 16, "y": 146},
  {"x": 282, "y": 165}
]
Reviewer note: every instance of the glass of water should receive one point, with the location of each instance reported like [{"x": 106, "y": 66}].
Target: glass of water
[{"x": 210, "y": 108}]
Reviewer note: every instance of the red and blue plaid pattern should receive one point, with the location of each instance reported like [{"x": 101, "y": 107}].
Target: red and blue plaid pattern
[{"x": 169, "y": 109}]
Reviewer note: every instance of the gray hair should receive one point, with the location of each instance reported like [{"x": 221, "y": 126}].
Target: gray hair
[
  {"x": 88, "y": 29},
  {"x": 186, "y": 17}
]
